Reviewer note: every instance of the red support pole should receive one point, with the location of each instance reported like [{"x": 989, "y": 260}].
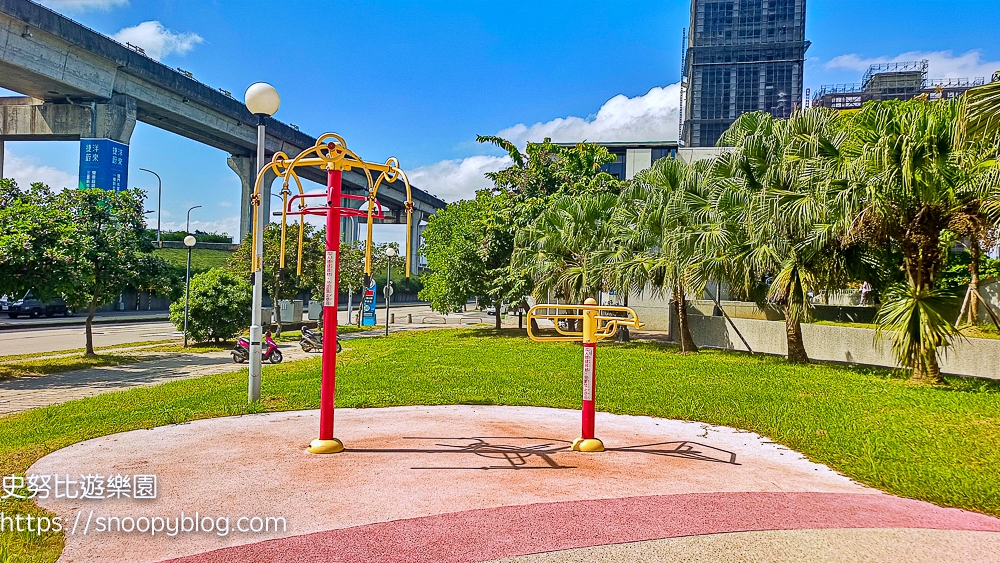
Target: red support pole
[
  {"x": 589, "y": 389},
  {"x": 328, "y": 388}
]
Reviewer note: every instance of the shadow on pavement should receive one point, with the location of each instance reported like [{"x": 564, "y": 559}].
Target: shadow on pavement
[{"x": 511, "y": 452}]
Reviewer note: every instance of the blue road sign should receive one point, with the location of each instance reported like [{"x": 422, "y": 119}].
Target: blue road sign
[
  {"x": 103, "y": 164},
  {"x": 368, "y": 305}
]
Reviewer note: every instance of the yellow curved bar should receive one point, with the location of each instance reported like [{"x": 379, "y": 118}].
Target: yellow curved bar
[
  {"x": 604, "y": 327},
  {"x": 257, "y": 262}
]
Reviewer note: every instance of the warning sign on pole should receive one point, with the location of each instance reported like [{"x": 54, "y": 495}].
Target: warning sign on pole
[
  {"x": 588, "y": 372},
  {"x": 330, "y": 287}
]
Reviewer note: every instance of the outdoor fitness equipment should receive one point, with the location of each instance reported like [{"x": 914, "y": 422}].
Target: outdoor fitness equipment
[
  {"x": 596, "y": 326},
  {"x": 331, "y": 154}
]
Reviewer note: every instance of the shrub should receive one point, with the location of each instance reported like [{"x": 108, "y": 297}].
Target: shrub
[{"x": 219, "y": 307}]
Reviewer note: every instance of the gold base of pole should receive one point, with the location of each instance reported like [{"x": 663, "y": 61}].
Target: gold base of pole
[
  {"x": 326, "y": 446},
  {"x": 590, "y": 445}
]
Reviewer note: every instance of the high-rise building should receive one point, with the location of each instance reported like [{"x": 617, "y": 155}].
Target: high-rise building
[{"x": 740, "y": 56}]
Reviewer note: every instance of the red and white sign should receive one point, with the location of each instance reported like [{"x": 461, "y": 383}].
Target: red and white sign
[
  {"x": 588, "y": 372},
  {"x": 330, "y": 289}
]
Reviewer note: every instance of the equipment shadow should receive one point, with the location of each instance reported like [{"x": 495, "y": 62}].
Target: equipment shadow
[{"x": 526, "y": 452}]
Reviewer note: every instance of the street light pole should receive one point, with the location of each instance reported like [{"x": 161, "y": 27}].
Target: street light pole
[
  {"x": 159, "y": 204},
  {"x": 189, "y": 242},
  {"x": 389, "y": 253},
  {"x": 187, "y": 228},
  {"x": 262, "y": 100}
]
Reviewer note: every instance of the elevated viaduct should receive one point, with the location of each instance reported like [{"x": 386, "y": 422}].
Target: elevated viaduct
[{"x": 78, "y": 83}]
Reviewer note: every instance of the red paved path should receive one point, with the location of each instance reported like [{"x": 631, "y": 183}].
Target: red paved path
[{"x": 480, "y": 535}]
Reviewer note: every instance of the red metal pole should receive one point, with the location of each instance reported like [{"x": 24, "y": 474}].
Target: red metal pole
[
  {"x": 328, "y": 387},
  {"x": 589, "y": 384}
]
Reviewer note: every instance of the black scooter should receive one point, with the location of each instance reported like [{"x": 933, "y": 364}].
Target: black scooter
[{"x": 314, "y": 341}]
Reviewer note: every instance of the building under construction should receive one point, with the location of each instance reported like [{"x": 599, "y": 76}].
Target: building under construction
[
  {"x": 741, "y": 56},
  {"x": 892, "y": 81}
]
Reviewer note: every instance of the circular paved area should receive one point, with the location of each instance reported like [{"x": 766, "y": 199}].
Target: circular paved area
[{"x": 473, "y": 484}]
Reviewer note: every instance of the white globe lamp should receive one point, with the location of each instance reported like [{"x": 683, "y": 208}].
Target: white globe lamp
[{"x": 262, "y": 99}]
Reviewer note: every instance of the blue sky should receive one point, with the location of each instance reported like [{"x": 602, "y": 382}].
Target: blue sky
[{"x": 419, "y": 80}]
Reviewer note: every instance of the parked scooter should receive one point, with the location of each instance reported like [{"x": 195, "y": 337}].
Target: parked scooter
[
  {"x": 241, "y": 353},
  {"x": 314, "y": 341}
]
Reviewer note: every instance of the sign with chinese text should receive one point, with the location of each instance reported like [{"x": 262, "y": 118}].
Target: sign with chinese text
[{"x": 103, "y": 164}]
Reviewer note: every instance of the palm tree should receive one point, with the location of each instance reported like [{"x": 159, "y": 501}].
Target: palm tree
[
  {"x": 773, "y": 205},
  {"x": 560, "y": 249},
  {"x": 662, "y": 209},
  {"x": 903, "y": 181}
]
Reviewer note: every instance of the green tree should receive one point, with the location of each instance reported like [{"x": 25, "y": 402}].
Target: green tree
[
  {"x": 661, "y": 214},
  {"x": 561, "y": 249},
  {"x": 470, "y": 244},
  {"x": 38, "y": 242},
  {"x": 903, "y": 182},
  {"x": 772, "y": 197},
  {"x": 110, "y": 228},
  {"x": 281, "y": 283},
  {"x": 219, "y": 307}
]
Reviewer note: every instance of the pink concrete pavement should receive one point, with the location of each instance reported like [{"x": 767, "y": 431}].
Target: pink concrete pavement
[{"x": 466, "y": 483}]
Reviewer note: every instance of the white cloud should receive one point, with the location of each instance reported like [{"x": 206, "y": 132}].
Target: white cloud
[
  {"x": 83, "y": 5},
  {"x": 943, "y": 64},
  {"x": 452, "y": 180},
  {"x": 650, "y": 117},
  {"x": 158, "y": 41},
  {"x": 26, "y": 171}
]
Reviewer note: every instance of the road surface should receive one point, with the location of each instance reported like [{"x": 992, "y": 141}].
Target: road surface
[{"x": 38, "y": 340}]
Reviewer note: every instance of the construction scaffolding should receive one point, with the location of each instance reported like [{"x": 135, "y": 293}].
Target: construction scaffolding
[
  {"x": 892, "y": 81},
  {"x": 740, "y": 56}
]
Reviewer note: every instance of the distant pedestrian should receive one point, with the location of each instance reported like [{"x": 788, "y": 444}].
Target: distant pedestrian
[{"x": 866, "y": 290}]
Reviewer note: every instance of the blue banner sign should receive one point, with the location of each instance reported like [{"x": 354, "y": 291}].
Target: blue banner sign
[
  {"x": 368, "y": 305},
  {"x": 103, "y": 164}
]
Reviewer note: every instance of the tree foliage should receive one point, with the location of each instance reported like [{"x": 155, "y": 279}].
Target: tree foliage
[
  {"x": 219, "y": 307},
  {"x": 470, "y": 245},
  {"x": 39, "y": 245}
]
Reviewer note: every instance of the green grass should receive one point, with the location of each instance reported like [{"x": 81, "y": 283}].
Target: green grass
[
  {"x": 202, "y": 259},
  {"x": 121, "y": 347},
  {"x": 48, "y": 366},
  {"x": 940, "y": 444}
]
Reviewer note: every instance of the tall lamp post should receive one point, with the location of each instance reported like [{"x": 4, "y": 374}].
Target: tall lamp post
[
  {"x": 263, "y": 101},
  {"x": 159, "y": 204},
  {"x": 389, "y": 253},
  {"x": 187, "y": 228},
  {"x": 189, "y": 242}
]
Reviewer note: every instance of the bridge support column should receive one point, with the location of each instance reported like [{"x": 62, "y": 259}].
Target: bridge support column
[
  {"x": 415, "y": 238},
  {"x": 1, "y": 157},
  {"x": 245, "y": 167},
  {"x": 349, "y": 225},
  {"x": 29, "y": 119}
]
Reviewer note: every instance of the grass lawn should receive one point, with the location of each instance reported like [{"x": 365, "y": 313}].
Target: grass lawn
[
  {"x": 120, "y": 347},
  {"x": 936, "y": 444},
  {"x": 47, "y": 366},
  {"x": 202, "y": 260}
]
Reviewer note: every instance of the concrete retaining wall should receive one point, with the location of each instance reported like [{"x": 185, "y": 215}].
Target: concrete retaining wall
[{"x": 976, "y": 357}]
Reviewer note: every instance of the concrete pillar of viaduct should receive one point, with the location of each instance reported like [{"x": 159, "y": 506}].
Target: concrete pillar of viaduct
[
  {"x": 30, "y": 119},
  {"x": 245, "y": 167}
]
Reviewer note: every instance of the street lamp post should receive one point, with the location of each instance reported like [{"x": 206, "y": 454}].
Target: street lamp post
[
  {"x": 263, "y": 101},
  {"x": 189, "y": 242},
  {"x": 389, "y": 253},
  {"x": 159, "y": 204},
  {"x": 187, "y": 228}
]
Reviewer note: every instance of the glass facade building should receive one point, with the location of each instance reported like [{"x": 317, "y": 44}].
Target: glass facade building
[{"x": 740, "y": 56}]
